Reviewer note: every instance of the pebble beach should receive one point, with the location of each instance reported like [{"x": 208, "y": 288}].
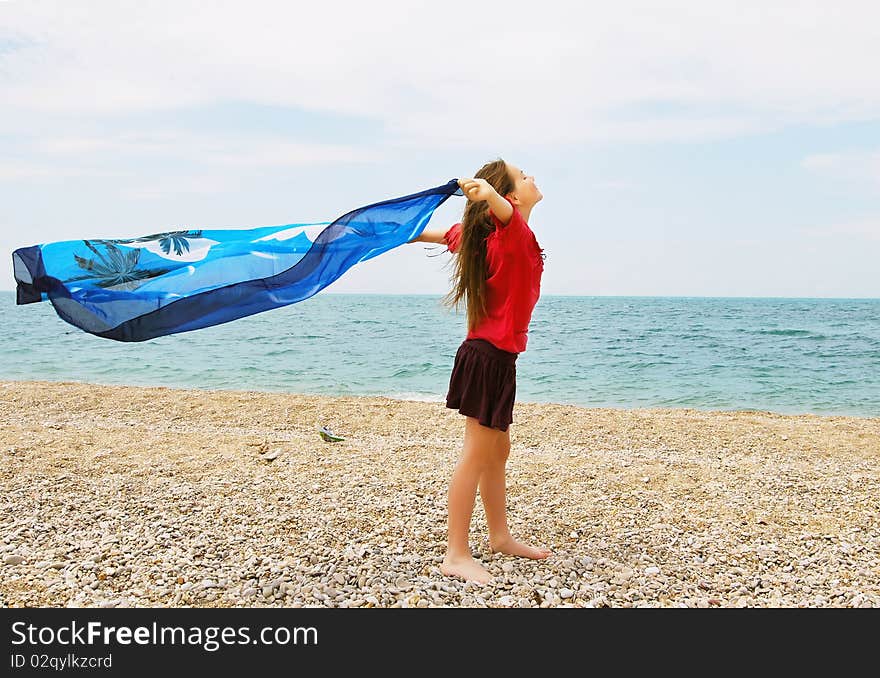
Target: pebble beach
[{"x": 118, "y": 496}]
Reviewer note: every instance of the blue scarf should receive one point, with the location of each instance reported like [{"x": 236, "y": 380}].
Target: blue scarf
[{"x": 141, "y": 288}]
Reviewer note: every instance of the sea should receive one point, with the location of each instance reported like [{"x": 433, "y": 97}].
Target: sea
[{"x": 784, "y": 355}]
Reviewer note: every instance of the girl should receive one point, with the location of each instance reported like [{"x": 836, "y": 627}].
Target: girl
[{"x": 497, "y": 271}]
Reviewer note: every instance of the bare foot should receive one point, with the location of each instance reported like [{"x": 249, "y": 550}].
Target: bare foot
[
  {"x": 514, "y": 548},
  {"x": 466, "y": 568}
]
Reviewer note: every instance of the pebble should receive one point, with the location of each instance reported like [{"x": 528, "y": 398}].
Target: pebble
[{"x": 201, "y": 524}]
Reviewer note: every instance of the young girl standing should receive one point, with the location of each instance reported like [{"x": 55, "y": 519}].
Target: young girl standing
[{"x": 497, "y": 271}]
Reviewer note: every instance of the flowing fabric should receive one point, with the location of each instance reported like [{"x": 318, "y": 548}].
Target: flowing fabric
[{"x": 141, "y": 288}]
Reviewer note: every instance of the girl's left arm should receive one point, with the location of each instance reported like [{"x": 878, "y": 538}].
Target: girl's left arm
[{"x": 480, "y": 189}]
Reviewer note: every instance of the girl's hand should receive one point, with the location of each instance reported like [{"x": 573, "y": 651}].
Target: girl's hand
[{"x": 476, "y": 190}]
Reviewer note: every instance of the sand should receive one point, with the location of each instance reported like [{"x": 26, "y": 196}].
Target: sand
[{"x": 128, "y": 496}]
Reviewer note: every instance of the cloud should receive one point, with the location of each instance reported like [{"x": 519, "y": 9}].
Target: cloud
[
  {"x": 858, "y": 166},
  {"x": 613, "y": 185},
  {"x": 149, "y": 142},
  {"x": 237, "y": 149},
  {"x": 177, "y": 186},
  {"x": 861, "y": 229},
  {"x": 54, "y": 157},
  {"x": 10, "y": 171},
  {"x": 554, "y": 73}
]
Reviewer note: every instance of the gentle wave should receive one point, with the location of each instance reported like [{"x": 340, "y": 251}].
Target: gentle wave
[
  {"x": 790, "y": 356},
  {"x": 785, "y": 333}
]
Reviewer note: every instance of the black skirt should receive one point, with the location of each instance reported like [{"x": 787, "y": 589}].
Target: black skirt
[{"x": 483, "y": 383}]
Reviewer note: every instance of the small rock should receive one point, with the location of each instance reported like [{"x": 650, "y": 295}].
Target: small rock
[
  {"x": 653, "y": 569},
  {"x": 565, "y": 593},
  {"x": 623, "y": 576},
  {"x": 764, "y": 551},
  {"x": 13, "y": 560}
]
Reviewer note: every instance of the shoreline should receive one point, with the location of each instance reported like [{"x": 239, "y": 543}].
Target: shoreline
[
  {"x": 402, "y": 397},
  {"x": 157, "y": 496}
]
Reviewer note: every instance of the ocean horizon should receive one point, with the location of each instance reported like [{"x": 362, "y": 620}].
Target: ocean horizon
[{"x": 790, "y": 355}]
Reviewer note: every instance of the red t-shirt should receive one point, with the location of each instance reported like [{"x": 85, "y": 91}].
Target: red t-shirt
[{"x": 513, "y": 285}]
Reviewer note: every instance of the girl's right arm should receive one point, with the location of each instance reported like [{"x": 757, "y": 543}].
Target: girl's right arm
[{"x": 436, "y": 235}]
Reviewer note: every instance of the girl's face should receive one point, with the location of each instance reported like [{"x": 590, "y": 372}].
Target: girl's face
[{"x": 524, "y": 188}]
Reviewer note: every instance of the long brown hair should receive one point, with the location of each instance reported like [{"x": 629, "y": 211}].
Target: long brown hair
[{"x": 470, "y": 269}]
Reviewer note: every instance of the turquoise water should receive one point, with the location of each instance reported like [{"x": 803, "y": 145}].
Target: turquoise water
[{"x": 785, "y": 355}]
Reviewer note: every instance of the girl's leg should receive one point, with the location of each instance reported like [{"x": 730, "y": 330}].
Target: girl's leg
[
  {"x": 493, "y": 494},
  {"x": 493, "y": 491},
  {"x": 480, "y": 443}
]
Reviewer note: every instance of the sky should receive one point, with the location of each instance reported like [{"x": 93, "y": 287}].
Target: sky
[{"x": 683, "y": 148}]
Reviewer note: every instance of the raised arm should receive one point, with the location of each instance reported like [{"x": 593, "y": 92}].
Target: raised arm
[{"x": 480, "y": 189}]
